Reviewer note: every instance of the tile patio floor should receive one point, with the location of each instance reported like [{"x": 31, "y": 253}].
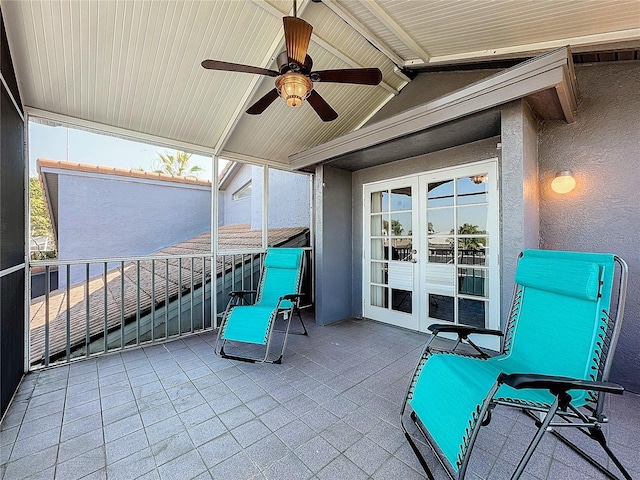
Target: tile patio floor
[{"x": 330, "y": 411}]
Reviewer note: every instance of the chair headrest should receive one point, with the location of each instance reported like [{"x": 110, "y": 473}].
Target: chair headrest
[
  {"x": 567, "y": 277},
  {"x": 283, "y": 258}
]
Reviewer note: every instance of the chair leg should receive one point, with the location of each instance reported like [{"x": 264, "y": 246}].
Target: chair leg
[
  {"x": 594, "y": 432},
  {"x": 536, "y": 438}
]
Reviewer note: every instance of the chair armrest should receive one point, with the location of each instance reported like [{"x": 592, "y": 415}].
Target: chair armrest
[
  {"x": 462, "y": 330},
  {"x": 242, "y": 293},
  {"x": 557, "y": 384},
  {"x": 292, "y": 296}
]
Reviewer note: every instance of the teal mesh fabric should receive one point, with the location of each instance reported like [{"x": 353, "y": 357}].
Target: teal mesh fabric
[
  {"x": 575, "y": 279},
  {"x": 557, "y": 329},
  {"x": 280, "y": 277},
  {"x": 249, "y": 324}
]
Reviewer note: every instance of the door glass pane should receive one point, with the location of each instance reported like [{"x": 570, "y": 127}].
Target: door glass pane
[
  {"x": 472, "y": 189},
  {"x": 440, "y": 221},
  {"x": 378, "y": 249},
  {"x": 441, "y": 250},
  {"x": 379, "y": 296},
  {"x": 440, "y": 194},
  {"x": 472, "y": 219},
  {"x": 376, "y": 202},
  {"x": 441, "y": 307},
  {"x": 379, "y": 272},
  {"x": 472, "y": 312},
  {"x": 401, "y": 224},
  {"x": 473, "y": 281},
  {"x": 379, "y": 225},
  {"x": 401, "y": 249},
  {"x": 472, "y": 254},
  {"x": 401, "y": 300},
  {"x": 401, "y": 199}
]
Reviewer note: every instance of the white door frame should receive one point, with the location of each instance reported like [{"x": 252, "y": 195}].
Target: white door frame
[{"x": 419, "y": 318}]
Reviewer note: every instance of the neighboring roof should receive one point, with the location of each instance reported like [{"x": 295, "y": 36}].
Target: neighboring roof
[
  {"x": 229, "y": 237},
  {"x": 44, "y": 163},
  {"x": 112, "y": 76}
]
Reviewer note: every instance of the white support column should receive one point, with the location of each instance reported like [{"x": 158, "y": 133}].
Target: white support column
[
  {"x": 265, "y": 207},
  {"x": 214, "y": 241}
]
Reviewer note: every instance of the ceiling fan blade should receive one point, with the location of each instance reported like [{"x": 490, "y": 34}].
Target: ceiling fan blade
[
  {"x": 262, "y": 104},
  {"x": 297, "y": 35},
  {"x": 237, "y": 67},
  {"x": 322, "y": 108},
  {"x": 360, "y": 76}
]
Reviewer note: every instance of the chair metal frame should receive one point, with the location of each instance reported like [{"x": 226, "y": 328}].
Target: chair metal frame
[
  {"x": 588, "y": 419},
  {"x": 239, "y": 297}
]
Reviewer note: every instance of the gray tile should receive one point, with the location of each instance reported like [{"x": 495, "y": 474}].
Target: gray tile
[
  {"x": 80, "y": 444},
  {"x": 295, "y": 434},
  {"x": 367, "y": 455},
  {"x": 316, "y": 453},
  {"x": 267, "y": 451},
  {"x": 277, "y": 417},
  {"x": 132, "y": 466},
  {"x": 36, "y": 427},
  {"x": 224, "y": 403},
  {"x": 122, "y": 427},
  {"x": 341, "y": 435},
  {"x": 206, "y": 430},
  {"x": 342, "y": 468},
  {"x": 238, "y": 467},
  {"x": 236, "y": 417},
  {"x": 125, "y": 446},
  {"x": 288, "y": 468},
  {"x": 185, "y": 467},
  {"x": 164, "y": 429},
  {"x": 394, "y": 469},
  {"x": 169, "y": 448},
  {"x": 151, "y": 415},
  {"x": 81, "y": 465},
  {"x": 32, "y": 464},
  {"x": 79, "y": 427},
  {"x": 119, "y": 412},
  {"x": 250, "y": 432},
  {"x": 34, "y": 443},
  {"x": 219, "y": 449}
]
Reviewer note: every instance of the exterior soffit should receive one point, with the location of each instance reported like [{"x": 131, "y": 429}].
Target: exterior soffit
[{"x": 547, "y": 82}]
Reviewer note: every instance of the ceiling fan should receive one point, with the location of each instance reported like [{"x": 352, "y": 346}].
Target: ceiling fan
[{"x": 294, "y": 78}]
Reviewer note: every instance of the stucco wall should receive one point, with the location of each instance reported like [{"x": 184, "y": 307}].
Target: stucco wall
[
  {"x": 235, "y": 212},
  {"x": 103, "y": 216},
  {"x": 289, "y": 199},
  {"x": 334, "y": 258},
  {"x": 602, "y": 148},
  {"x": 472, "y": 152},
  {"x": 519, "y": 218}
]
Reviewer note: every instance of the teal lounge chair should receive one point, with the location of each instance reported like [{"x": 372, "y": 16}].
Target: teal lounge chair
[
  {"x": 556, "y": 355},
  {"x": 278, "y": 294}
]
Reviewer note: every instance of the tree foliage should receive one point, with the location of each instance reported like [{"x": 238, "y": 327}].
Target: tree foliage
[
  {"x": 40, "y": 221},
  {"x": 176, "y": 164}
]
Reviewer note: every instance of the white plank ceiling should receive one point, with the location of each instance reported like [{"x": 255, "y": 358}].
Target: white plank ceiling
[{"x": 132, "y": 68}]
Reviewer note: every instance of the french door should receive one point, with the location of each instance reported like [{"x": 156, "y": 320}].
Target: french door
[{"x": 430, "y": 249}]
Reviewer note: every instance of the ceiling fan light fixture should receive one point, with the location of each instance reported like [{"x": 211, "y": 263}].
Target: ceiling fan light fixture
[{"x": 294, "y": 88}]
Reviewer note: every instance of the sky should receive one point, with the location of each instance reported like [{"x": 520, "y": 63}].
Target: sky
[{"x": 78, "y": 146}]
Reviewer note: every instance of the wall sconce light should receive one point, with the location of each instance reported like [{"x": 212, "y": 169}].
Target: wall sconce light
[
  {"x": 563, "y": 182},
  {"x": 478, "y": 179}
]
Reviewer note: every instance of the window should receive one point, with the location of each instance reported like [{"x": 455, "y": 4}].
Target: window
[{"x": 243, "y": 192}]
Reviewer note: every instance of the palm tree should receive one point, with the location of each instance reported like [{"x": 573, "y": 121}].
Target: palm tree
[{"x": 177, "y": 165}]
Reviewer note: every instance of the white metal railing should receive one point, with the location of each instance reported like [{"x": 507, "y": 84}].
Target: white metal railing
[
  {"x": 125, "y": 302},
  {"x": 132, "y": 301}
]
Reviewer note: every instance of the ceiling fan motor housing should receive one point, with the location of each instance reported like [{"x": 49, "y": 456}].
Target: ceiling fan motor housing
[{"x": 284, "y": 66}]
